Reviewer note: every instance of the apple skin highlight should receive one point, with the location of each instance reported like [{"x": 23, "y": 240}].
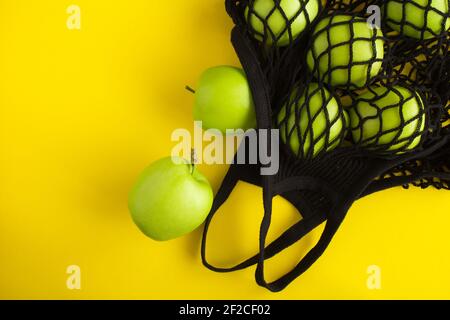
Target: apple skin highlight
[
  {"x": 223, "y": 100},
  {"x": 307, "y": 118},
  {"x": 376, "y": 119},
  {"x": 329, "y": 55},
  {"x": 170, "y": 199},
  {"x": 276, "y": 27}
]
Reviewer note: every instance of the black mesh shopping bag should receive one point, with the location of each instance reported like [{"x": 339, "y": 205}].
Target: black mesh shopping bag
[{"x": 359, "y": 110}]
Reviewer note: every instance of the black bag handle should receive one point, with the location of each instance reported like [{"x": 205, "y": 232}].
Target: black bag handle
[
  {"x": 293, "y": 234},
  {"x": 288, "y": 238},
  {"x": 332, "y": 224}
]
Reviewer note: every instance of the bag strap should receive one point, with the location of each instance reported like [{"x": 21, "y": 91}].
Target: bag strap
[
  {"x": 288, "y": 238},
  {"x": 333, "y": 221},
  {"x": 293, "y": 234}
]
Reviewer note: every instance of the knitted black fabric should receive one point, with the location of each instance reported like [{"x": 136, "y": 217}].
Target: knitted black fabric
[{"x": 328, "y": 160}]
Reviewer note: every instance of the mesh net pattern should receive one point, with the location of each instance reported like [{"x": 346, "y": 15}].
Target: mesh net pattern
[
  {"x": 344, "y": 51},
  {"x": 419, "y": 19},
  {"x": 312, "y": 122},
  {"x": 387, "y": 77}
]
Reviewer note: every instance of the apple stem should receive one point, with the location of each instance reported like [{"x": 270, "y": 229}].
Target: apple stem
[
  {"x": 193, "y": 160},
  {"x": 190, "y": 89}
]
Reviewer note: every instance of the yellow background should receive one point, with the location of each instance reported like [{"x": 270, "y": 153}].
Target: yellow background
[{"x": 82, "y": 112}]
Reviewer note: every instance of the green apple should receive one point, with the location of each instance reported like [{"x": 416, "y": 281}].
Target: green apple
[
  {"x": 170, "y": 198},
  {"x": 276, "y": 21},
  {"x": 414, "y": 19},
  {"x": 340, "y": 59},
  {"x": 376, "y": 119},
  {"x": 223, "y": 100},
  {"x": 312, "y": 123}
]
